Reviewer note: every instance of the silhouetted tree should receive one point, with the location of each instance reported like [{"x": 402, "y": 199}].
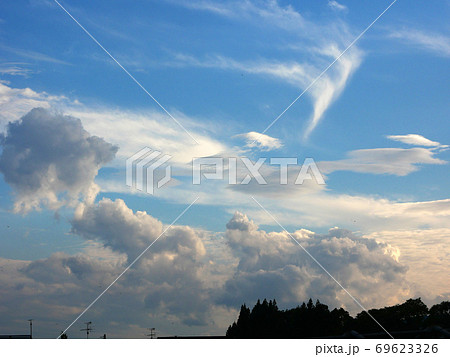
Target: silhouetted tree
[
  {"x": 439, "y": 315},
  {"x": 341, "y": 321},
  {"x": 407, "y": 316},
  {"x": 308, "y": 320}
]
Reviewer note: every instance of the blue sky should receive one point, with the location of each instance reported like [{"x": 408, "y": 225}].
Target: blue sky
[{"x": 376, "y": 124}]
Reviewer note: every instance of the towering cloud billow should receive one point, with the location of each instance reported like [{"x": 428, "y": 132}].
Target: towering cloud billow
[
  {"x": 49, "y": 160},
  {"x": 271, "y": 264},
  {"x": 169, "y": 274},
  {"x": 182, "y": 282}
]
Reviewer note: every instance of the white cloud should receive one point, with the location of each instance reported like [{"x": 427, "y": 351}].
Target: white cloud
[
  {"x": 285, "y": 17},
  {"x": 322, "y": 42},
  {"x": 271, "y": 264},
  {"x": 170, "y": 285},
  {"x": 324, "y": 92},
  {"x": 336, "y": 6},
  {"x": 118, "y": 227},
  {"x": 393, "y": 161},
  {"x": 192, "y": 281},
  {"x": 15, "y": 69},
  {"x": 361, "y": 212},
  {"x": 262, "y": 141},
  {"x": 174, "y": 262},
  {"x": 330, "y": 86},
  {"x": 426, "y": 252},
  {"x": 432, "y": 42},
  {"x": 50, "y": 160},
  {"x": 210, "y": 6},
  {"x": 129, "y": 130},
  {"x": 415, "y": 139},
  {"x": 190, "y": 272},
  {"x": 133, "y": 130},
  {"x": 16, "y": 102},
  {"x": 37, "y": 56}
]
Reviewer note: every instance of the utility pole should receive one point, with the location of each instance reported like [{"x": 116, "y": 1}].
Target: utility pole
[
  {"x": 88, "y": 328},
  {"x": 152, "y": 333},
  {"x": 31, "y": 328}
]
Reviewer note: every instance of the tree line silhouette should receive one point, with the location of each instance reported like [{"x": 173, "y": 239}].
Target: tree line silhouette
[{"x": 308, "y": 320}]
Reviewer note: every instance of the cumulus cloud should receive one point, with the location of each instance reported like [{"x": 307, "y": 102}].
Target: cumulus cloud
[
  {"x": 426, "y": 252},
  {"x": 173, "y": 264},
  {"x": 170, "y": 285},
  {"x": 271, "y": 264},
  {"x": 261, "y": 141},
  {"x": 415, "y": 139},
  {"x": 162, "y": 291},
  {"x": 61, "y": 268},
  {"x": 49, "y": 160},
  {"x": 52, "y": 290},
  {"x": 191, "y": 281},
  {"x": 118, "y": 227}
]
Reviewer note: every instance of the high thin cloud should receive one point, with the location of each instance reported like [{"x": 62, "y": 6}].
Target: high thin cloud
[
  {"x": 329, "y": 87},
  {"x": 324, "y": 92},
  {"x": 37, "y": 56},
  {"x": 15, "y": 69},
  {"x": 431, "y": 42},
  {"x": 262, "y": 141},
  {"x": 337, "y": 6},
  {"x": 285, "y": 17},
  {"x": 49, "y": 160},
  {"x": 393, "y": 161},
  {"x": 416, "y": 139},
  {"x": 149, "y": 129},
  {"x": 146, "y": 128},
  {"x": 309, "y": 37}
]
